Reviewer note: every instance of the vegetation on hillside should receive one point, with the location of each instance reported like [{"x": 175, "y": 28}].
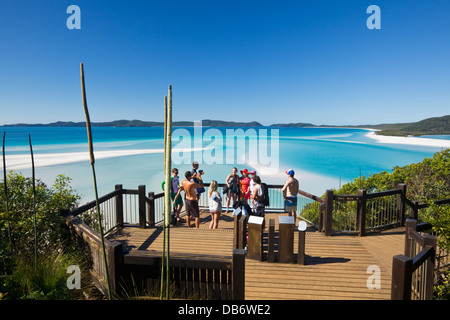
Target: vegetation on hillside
[
  {"x": 431, "y": 126},
  {"x": 22, "y": 274}
]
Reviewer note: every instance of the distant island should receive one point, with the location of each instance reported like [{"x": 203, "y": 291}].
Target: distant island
[
  {"x": 430, "y": 126},
  {"x": 140, "y": 123}
]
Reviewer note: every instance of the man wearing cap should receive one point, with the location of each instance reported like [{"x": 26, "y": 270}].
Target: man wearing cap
[{"x": 290, "y": 190}]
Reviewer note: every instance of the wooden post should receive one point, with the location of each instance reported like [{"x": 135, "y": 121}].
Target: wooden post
[
  {"x": 141, "y": 193},
  {"x": 362, "y": 213},
  {"x": 430, "y": 241},
  {"x": 401, "y": 278},
  {"x": 328, "y": 212},
  {"x": 238, "y": 274},
  {"x": 271, "y": 242},
  {"x": 411, "y": 224},
  {"x": 321, "y": 213},
  {"x": 114, "y": 251},
  {"x": 151, "y": 209},
  {"x": 415, "y": 210},
  {"x": 237, "y": 233},
  {"x": 255, "y": 238},
  {"x": 242, "y": 236},
  {"x": 119, "y": 206},
  {"x": 401, "y": 204},
  {"x": 301, "y": 247},
  {"x": 286, "y": 239}
]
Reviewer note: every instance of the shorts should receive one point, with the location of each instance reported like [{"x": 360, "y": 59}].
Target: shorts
[
  {"x": 246, "y": 196},
  {"x": 258, "y": 209},
  {"x": 179, "y": 199},
  {"x": 291, "y": 203},
  {"x": 233, "y": 191},
  {"x": 192, "y": 209}
]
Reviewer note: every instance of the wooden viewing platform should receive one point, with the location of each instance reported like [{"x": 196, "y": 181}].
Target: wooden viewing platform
[
  {"x": 335, "y": 267},
  {"x": 343, "y": 254}
]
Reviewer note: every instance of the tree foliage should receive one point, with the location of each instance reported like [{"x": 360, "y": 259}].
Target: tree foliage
[{"x": 27, "y": 277}]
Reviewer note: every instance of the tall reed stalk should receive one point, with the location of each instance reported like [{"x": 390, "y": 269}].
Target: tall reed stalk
[
  {"x": 5, "y": 185},
  {"x": 34, "y": 198},
  {"x": 92, "y": 160},
  {"x": 167, "y": 200}
]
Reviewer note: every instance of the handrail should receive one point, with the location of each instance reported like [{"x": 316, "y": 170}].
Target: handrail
[
  {"x": 356, "y": 197},
  {"x": 415, "y": 206},
  {"x": 311, "y": 196},
  {"x": 92, "y": 204},
  {"x": 383, "y": 193},
  {"x": 416, "y": 236},
  {"x": 404, "y": 266},
  {"x": 426, "y": 253}
]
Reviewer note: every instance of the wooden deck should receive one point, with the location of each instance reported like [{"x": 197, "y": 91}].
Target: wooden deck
[{"x": 335, "y": 267}]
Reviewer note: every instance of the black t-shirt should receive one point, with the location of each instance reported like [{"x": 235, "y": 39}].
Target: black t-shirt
[{"x": 194, "y": 178}]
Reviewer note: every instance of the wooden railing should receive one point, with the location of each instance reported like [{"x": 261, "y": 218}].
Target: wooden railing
[
  {"x": 415, "y": 206},
  {"x": 192, "y": 276},
  {"x": 93, "y": 242},
  {"x": 198, "y": 277},
  {"x": 369, "y": 211},
  {"x": 413, "y": 272},
  {"x": 364, "y": 211}
]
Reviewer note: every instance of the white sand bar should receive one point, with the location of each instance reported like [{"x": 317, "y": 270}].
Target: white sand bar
[
  {"x": 22, "y": 161},
  {"x": 440, "y": 143}
]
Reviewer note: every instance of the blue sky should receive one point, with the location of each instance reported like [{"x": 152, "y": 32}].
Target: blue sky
[{"x": 267, "y": 61}]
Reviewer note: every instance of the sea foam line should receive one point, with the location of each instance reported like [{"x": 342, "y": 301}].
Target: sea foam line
[{"x": 23, "y": 161}]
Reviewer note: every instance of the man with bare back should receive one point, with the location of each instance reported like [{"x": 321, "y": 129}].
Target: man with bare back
[{"x": 192, "y": 209}]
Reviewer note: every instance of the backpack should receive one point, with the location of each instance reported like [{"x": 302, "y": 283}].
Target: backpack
[
  {"x": 243, "y": 205},
  {"x": 266, "y": 199}
]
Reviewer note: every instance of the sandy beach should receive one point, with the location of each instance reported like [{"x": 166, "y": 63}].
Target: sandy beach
[{"x": 440, "y": 143}]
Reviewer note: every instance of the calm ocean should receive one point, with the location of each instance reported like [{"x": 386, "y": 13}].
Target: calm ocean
[{"x": 322, "y": 158}]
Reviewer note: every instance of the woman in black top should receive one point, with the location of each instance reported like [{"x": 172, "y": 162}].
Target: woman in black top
[{"x": 232, "y": 182}]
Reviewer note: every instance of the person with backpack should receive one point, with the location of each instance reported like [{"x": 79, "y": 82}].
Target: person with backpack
[
  {"x": 258, "y": 197},
  {"x": 232, "y": 187}
]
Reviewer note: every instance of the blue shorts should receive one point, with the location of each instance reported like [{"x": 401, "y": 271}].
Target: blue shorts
[{"x": 291, "y": 203}]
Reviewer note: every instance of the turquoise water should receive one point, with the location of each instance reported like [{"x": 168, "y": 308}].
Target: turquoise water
[{"x": 323, "y": 158}]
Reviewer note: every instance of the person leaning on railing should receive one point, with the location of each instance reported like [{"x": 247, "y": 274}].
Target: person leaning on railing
[{"x": 290, "y": 191}]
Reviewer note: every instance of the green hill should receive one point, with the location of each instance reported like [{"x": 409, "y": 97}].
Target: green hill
[{"x": 430, "y": 126}]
